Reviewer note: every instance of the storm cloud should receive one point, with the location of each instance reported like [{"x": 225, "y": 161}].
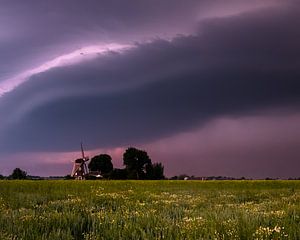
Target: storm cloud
[
  {"x": 37, "y": 31},
  {"x": 232, "y": 66}
]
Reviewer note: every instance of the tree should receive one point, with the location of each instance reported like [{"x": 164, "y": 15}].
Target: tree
[
  {"x": 1, "y": 177},
  {"x": 101, "y": 163},
  {"x": 119, "y": 174},
  {"x": 18, "y": 174},
  {"x": 136, "y": 161},
  {"x": 155, "y": 171},
  {"x": 158, "y": 171}
]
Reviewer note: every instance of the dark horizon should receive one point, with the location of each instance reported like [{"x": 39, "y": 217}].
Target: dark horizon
[{"x": 205, "y": 87}]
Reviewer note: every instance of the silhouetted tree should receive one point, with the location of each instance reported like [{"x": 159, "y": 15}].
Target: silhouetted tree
[
  {"x": 117, "y": 173},
  {"x": 136, "y": 161},
  {"x": 149, "y": 171},
  {"x": 1, "y": 177},
  {"x": 158, "y": 171},
  {"x": 101, "y": 163},
  {"x": 18, "y": 174},
  {"x": 155, "y": 171}
]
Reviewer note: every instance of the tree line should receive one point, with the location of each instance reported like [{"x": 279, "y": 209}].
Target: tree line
[
  {"x": 16, "y": 174},
  {"x": 138, "y": 165}
]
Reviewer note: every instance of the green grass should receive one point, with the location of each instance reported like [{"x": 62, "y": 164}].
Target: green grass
[{"x": 149, "y": 210}]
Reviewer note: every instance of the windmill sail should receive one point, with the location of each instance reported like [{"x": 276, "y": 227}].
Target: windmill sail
[
  {"x": 82, "y": 151},
  {"x": 80, "y": 169}
]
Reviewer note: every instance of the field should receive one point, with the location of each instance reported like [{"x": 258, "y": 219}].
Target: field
[{"x": 149, "y": 210}]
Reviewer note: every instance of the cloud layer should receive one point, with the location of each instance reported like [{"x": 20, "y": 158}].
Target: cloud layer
[
  {"x": 232, "y": 66},
  {"x": 32, "y": 32}
]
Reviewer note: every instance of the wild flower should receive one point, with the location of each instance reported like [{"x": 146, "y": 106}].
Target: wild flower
[
  {"x": 94, "y": 210},
  {"x": 276, "y": 232}
]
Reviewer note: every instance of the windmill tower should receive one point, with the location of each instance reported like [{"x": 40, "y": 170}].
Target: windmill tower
[{"x": 80, "y": 169}]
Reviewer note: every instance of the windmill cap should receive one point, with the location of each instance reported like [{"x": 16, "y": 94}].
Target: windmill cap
[{"x": 80, "y": 160}]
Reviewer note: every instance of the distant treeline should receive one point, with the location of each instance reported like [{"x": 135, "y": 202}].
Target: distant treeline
[
  {"x": 16, "y": 175},
  {"x": 187, "y": 177}
]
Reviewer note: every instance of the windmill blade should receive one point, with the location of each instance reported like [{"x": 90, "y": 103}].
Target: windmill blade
[
  {"x": 75, "y": 169},
  {"x": 84, "y": 168},
  {"x": 82, "y": 152}
]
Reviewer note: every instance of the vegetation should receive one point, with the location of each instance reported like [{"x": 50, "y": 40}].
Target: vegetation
[
  {"x": 118, "y": 174},
  {"x": 18, "y": 174},
  {"x": 101, "y": 163},
  {"x": 138, "y": 165},
  {"x": 92, "y": 210},
  {"x": 155, "y": 171}
]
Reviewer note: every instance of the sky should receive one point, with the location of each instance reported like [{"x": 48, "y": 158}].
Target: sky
[{"x": 207, "y": 87}]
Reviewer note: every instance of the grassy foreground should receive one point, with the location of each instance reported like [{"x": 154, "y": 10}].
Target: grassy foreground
[{"x": 149, "y": 210}]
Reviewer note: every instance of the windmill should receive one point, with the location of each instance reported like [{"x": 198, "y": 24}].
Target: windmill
[{"x": 80, "y": 169}]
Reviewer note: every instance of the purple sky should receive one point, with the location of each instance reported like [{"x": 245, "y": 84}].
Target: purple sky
[{"x": 206, "y": 87}]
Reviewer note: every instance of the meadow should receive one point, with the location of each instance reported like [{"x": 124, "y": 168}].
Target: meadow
[{"x": 93, "y": 210}]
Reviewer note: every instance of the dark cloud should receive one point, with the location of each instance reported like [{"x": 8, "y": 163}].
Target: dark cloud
[
  {"x": 35, "y": 31},
  {"x": 232, "y": 66}
]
